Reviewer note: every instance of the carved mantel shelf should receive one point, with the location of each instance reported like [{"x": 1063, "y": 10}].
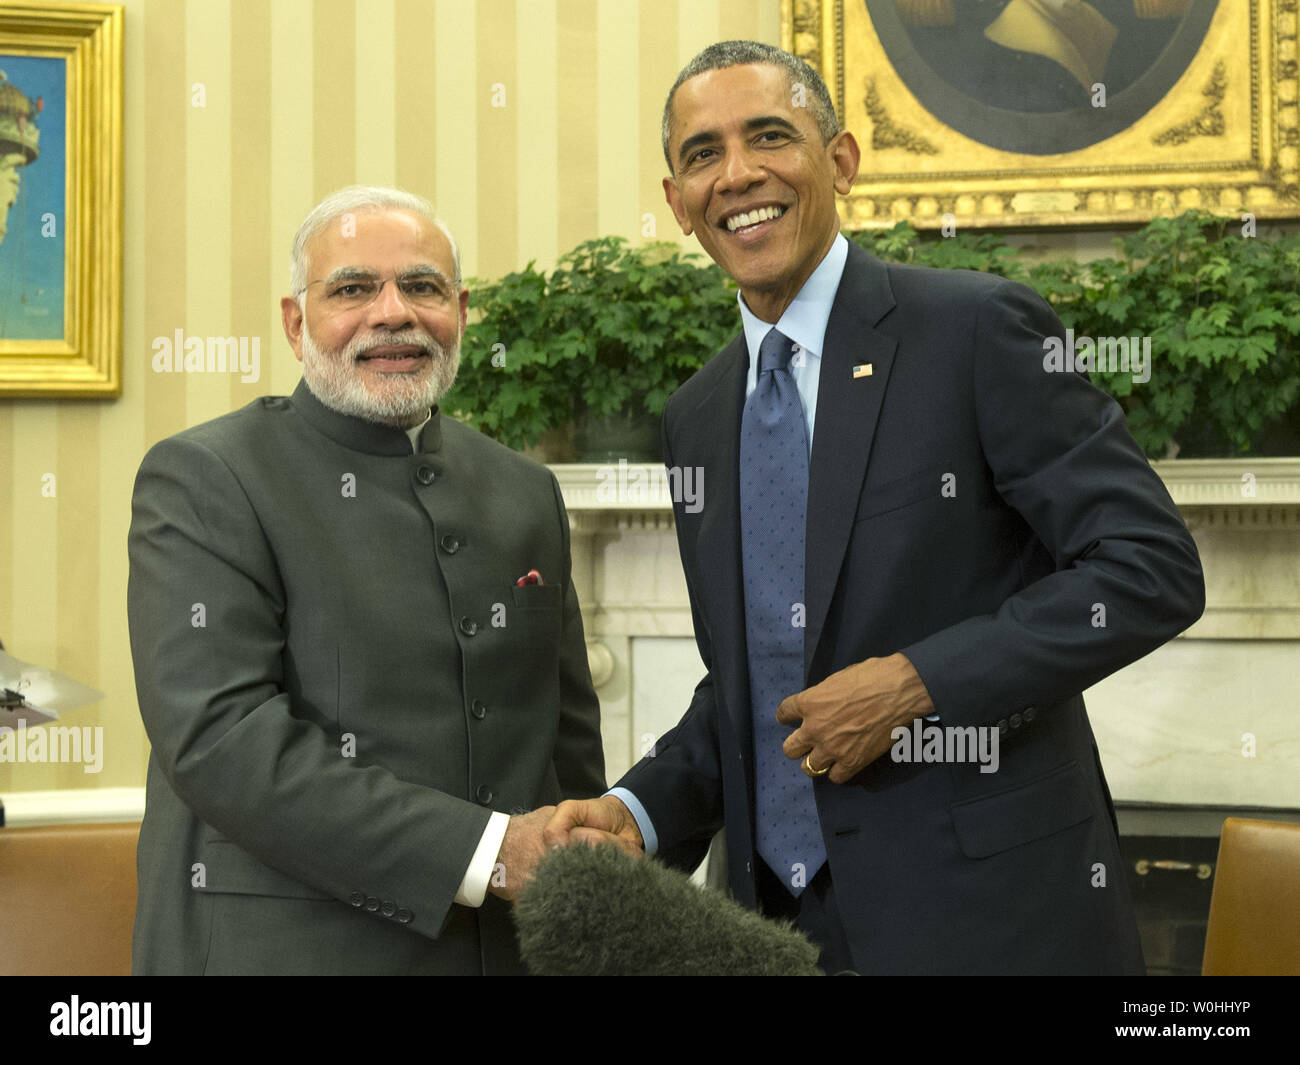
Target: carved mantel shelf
[
  {"x": 1244, "y": 513},
  {"x": 610, "y": 496},
  {"x": 1243, "y": 493}
]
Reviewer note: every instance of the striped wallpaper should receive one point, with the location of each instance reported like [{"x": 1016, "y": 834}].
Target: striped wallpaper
[{"x": 531, "y": 125}]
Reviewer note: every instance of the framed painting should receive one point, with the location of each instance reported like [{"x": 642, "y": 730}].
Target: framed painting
[
  {"x": 1022, "y": 113},
  {"x": 60, "y": 199}
]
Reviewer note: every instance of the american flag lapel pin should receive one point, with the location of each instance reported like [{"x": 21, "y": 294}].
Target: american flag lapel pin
[{"x": 862, "y": 371}]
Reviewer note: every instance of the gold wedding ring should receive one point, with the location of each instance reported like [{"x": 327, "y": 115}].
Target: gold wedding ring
[{"x": 807, "y": 766}]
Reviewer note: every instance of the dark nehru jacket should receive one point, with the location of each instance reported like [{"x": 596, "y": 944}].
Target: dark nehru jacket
[{"x": 341, "y": 681}]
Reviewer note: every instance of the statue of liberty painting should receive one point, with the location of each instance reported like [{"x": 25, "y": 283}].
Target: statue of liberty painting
[{"x": 32, "y": 209}]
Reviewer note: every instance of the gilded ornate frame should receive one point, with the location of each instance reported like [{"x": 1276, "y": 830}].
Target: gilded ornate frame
[
  {"x": 87, "y": 361},
  {"x": 1225, "y": 137}
]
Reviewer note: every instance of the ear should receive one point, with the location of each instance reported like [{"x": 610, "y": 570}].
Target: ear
[
  {"x": 291, "y": 319},
  {"x": 464, "y": 309},
  {"x": 845, "y": 156},
  {"x": 674, "y": 199}
]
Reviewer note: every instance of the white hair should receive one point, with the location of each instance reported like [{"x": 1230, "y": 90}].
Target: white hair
[{"x": 358, "y": 198}]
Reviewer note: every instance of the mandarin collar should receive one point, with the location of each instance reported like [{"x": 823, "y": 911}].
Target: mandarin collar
[{"x": 372, "y": 438}]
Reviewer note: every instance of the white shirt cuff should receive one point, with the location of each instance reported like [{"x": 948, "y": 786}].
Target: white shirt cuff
[{"x": 474, "y": 887}]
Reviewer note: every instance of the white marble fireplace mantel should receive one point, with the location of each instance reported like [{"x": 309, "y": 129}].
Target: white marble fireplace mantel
[{"x": 1172, "y": 727}]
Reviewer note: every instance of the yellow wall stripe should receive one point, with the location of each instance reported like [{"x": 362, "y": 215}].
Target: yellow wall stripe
[
  {"x": 414, "y": 53},
  {"x": 333, "y": 102},
  {"x": 254, "y": 284},
  {"x": 76, "y": 598},
  {"x": 537, "y": 189},
  {"x": 376, "y": 94},
  {"x": 293, "y": 154},
  {"x": 167, "y": 95},
  {"x": 457, "y": 110},
  {"x": 578, "y": 197},
  {"x": 618, "y": 211},
  {"x": 657, "y": 69},
  {"x": 36, "y": 578},
  {"x": 497, "y": 93},
  {"x": 207, "y": 204}
]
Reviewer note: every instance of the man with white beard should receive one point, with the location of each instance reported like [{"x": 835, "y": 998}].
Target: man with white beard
[{"x": 357, "y": 646}]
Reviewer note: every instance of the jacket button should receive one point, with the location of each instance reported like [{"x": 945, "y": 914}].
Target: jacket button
[
  {"x": 450, "y": 544},
  {"x": 478, "y": 709},
  {"x": 425, "y": 475},
  {"x": 1002, "y": 726},
  {"x": 483, "y": 794},
  {"x": 372, "y": 903},
  {"x": 468, "y": 626},
  {"x": 357, "y": 899},
  {"x": 404, "y": 916},
  {"x": 388, "y": 908},
  {"x": 1015, "y": 720},
  {"x": 1030, "y": 713}
]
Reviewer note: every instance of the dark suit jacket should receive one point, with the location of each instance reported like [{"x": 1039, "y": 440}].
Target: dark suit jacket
[
  {"x": 989, "y": 592},
  {"x": 302, "y": 584}
]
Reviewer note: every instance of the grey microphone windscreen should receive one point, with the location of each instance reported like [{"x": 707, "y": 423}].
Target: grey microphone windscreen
[{"x": 595, "y": 911}]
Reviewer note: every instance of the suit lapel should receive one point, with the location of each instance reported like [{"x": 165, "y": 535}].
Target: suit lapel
[
  {"x": 848, "y": 408},
  {"x": 719, "y": 540}
]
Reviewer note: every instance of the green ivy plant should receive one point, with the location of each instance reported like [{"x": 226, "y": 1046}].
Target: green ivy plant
[
  {"x": 1222, "y": 310},
  {"x": 613, "y": 328}
]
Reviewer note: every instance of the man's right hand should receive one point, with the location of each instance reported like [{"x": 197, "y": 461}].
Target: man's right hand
[{"x": 592, "y": 821}]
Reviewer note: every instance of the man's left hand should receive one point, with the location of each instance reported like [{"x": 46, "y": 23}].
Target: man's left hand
[{"x": 846, "y": 721}]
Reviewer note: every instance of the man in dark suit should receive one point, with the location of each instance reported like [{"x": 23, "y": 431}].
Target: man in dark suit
[
  {"x": 349, "y": 670},
  {"x": 912, "y": 530}
]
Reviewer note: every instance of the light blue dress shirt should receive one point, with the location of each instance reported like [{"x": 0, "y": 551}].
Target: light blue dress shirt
[{"x": 804, "y": 322}]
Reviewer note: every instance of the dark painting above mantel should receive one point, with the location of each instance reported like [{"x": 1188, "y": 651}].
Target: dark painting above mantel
[{"x": 1043, "y": 112}]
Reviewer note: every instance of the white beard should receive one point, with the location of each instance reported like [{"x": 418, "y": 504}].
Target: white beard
[{"x": 400, "y": 399}]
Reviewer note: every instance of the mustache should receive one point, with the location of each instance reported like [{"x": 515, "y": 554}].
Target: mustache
[{"x": 359, "y": 347}]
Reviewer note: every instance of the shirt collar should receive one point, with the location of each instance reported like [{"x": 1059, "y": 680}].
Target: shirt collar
[
  {"x": 373, "y": 438},
  {"x": 415, "y": 431},
  {"x": 804, "y": 321}
]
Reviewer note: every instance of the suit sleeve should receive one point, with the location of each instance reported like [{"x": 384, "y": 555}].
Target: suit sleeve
[
  {"x": 680, "y": 781},
  {"x": 206, "y": 607},
  {"x": 1127, "y": 575},
  {"x": 579, "y": 754}
]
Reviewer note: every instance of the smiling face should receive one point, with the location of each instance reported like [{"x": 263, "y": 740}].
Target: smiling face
[
  {"x": 393, "y": 358},
  {"x": 754, "y": 182}
]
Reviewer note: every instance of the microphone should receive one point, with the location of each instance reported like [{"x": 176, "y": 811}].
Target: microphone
[{"x": 595, "y": 911}]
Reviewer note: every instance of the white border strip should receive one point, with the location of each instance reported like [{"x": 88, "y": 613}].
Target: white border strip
[
  {"x": 642, "y": 487},
  {"x": 24, "y": 809}
]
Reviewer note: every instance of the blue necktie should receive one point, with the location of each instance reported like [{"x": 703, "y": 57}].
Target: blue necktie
[{"x": 773, "y": 510}]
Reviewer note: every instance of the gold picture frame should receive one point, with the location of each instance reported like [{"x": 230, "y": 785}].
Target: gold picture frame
[
  {"x": 1212, "y": 122},
  {"x": 61, "y": 248}
]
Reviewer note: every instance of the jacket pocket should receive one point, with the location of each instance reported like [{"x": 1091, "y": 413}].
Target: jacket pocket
[
  {"x": 902, "y": 491},
  {"x": 538, "y": 596},
  {"x": 1032, "y": 811},
  {"x": 231, "y": 870}
]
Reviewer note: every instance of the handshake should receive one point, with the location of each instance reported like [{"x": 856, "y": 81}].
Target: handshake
[{"x": 529, "y": 836}]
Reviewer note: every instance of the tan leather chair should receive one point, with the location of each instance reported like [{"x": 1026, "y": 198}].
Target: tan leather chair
[
  {"x": 67, "y": 899},
  {"x": 1254, "y": 927}
]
